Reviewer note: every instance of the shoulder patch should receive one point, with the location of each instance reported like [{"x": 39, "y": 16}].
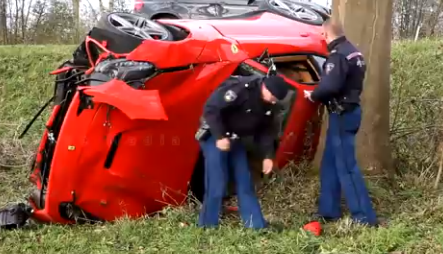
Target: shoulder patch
[
  {"x": 329, "y": 67},
  {"x": 353, "y": 55},
  {"x": 361, "y": 63},
  {"x": 230, "y": 96}
]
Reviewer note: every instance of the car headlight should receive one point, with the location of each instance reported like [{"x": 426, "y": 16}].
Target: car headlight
[{"x": 126, "y": 70}]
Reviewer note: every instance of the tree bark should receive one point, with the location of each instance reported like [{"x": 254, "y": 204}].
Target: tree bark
[
  {"x": 432, "y": 21},
  {"x": 101, "y": 6},
  {"x": 367, "y": 24},
  {"x": 111, "y": 5},
  {"x": 3, "y": 20},
  {"x": 23, "y": 22},
  {"x": 16, "y": 21},
  {"x": 76, "y": 7}
]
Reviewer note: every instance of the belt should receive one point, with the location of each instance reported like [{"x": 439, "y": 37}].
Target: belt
[
  {"x": 349, "y": 106},
  {"x": 342, "y": 108}
]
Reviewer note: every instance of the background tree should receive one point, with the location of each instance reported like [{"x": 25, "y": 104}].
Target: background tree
[
  {"x": 3, "y": 22},
  {"x": 111, "y": 5},
  {"x": 77, "y": 20}
]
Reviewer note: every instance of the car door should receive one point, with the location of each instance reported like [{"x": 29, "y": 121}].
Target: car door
[{"x": 298, "y": 120}]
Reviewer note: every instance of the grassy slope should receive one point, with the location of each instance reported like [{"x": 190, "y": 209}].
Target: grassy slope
[{"x": 415, "y": 211}]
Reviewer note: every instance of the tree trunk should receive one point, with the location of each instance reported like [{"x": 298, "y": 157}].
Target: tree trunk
[
  {"x": 432, "y": 21},
  {"x": 76, "y": 7},
  {"x": 16, "y": 21},
  {"x": 101, "y": 6},
  {"x": 367, "y": 24},
  {"x": 3, "y": 20},
  {"x": 111, "y": 5},
  {"x": 322, "y": 140},
  {"x": 22, "y": 22}
]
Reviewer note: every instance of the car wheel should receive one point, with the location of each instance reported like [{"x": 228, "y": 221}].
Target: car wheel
[
  {"x": 324, "y": 12},
  {"x": 134, "y": 27},
  {"x": 321, "y": 9},
  {"x": 294, "y": 10}
]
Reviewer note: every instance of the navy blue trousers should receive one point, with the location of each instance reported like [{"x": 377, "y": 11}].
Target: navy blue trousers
[
  {"x": 217, "y": 165},
  {"x": 340, "y": 171}
]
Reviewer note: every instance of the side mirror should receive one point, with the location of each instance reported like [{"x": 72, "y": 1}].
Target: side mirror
[
  {"x": 272, "y": 71},
  {"x": 268, "y": 61},
  {"x": 263, "y": 56},
  {"x": 250, "y": 2}
]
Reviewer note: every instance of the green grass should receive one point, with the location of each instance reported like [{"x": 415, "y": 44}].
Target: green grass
[{"x": 413, "y": 209}]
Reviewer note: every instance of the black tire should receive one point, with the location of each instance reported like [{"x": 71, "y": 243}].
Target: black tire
[
  {"x": 323, "y": 15},
  {"x": 317, "y": 20},
  {"x": 105, "y": 23},
  {"x": 118, "y": 41},
  {"x": 324, "y": 12}
]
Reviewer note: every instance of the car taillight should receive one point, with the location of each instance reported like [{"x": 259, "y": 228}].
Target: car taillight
[{"x": 138, "y": 5}]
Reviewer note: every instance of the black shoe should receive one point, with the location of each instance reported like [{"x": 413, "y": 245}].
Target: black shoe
[
  {"x": 320, "y": 218},
  {"x": 381, "y": 222}
]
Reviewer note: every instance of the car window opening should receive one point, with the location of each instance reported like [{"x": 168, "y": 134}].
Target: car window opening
[{"x": 302, "y": 69}]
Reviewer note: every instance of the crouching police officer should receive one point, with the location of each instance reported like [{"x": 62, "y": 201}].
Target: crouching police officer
[
  {"x": 339, "y": 89},
  {"x": 241, "y": 106}
]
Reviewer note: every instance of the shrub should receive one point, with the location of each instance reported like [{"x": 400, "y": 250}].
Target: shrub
[{"x": 416, "y": 100}]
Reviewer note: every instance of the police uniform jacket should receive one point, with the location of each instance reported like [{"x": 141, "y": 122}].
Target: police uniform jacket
[
  {"x": 343, "y": 74},
  {"x": 236, "y": 107}
]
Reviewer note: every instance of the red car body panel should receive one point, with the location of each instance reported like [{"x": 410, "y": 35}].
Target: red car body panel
[
  {"x": 147, "y": 106},
  {"x": 150, "y": 133}
]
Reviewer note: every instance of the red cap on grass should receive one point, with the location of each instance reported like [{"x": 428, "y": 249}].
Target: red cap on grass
[
  {"x": 314, "y": 227},
  {"x": 232, "y": 208}
]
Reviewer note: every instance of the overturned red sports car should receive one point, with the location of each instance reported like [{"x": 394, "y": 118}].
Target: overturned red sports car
[{"x": 120, "y": 139}]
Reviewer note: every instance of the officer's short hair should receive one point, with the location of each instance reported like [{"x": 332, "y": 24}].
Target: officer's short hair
[{"x": 334, "y": 26}]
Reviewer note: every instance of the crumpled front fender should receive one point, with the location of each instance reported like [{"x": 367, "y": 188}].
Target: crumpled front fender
[{"x": 135, "y": 103}]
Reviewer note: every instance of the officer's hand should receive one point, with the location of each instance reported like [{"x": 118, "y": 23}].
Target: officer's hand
[
  {"x": 268, "y": 164},
  {"x": 223, "y": 144}
]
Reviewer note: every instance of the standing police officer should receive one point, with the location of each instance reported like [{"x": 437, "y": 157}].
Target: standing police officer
[
  {"x": 241, "y": 106},
  {"x": 339, "y": 89}
]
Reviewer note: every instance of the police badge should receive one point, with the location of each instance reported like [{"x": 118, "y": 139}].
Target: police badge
[
  {"x": 360, "y": 63},
  {"x": 230, "y": 96},
  {"x": 329, "y": 67}
]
